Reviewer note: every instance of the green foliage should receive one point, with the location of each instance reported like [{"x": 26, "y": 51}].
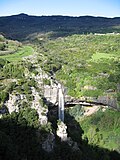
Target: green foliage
[
  {"x": 94, "y": 136},
  {"x": 118, "y": 99},
  {"x": 8, "y": 47},
  {"x": 103, "y": 129},
  {"x": 21, "y": 136},
  {"x": 2, "y": 62},
  {"x": 18, "y": 55},
  {"x": 13, "y": 70},
  {"x": 2, "y": 38},
  {"x": 4, "y": 94},
  {"x": 30, "y": 115},
  {"x": 32, "y": 82},
  {"x": 46, "y": 128},
  {"x": 2, "y": 46},
  {"x": 51, "y": 65},
  {"x": 46, "y": 81},
  {"x": 76, "y": 111},
  {"x": 84, "y": 60},
  {"x": 24, "y": 87},
  {"x": 18, "y": 135},
  {"x": 92, "y": 93},
  {"x": 55, "y": 26}
]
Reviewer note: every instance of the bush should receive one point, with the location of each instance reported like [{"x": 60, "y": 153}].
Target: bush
[
  {"x": 2, "y": 46},
  {"x": 2, "y": 62},
  {"x": 4, "y": 96},
  {"x": 46, "y": 81}
]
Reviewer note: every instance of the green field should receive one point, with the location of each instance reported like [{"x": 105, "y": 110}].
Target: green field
[{"x": 23, "y": 52}]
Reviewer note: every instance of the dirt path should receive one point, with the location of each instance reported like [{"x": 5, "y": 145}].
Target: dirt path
[{"x": 91, "y": 110}]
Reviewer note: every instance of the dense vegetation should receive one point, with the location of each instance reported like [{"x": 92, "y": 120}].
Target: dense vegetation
[
  {"x": 101, "y": 128},
  {"x": 13, "y": 69},
  {"x": 18, "y": 136},
  {"x": 88, "y": 65},
  {"x": 25, "y": 25},
  {"x": 21, "y": 137},
  {"x": 8, "y": 46},
  {"x": 13, "y": 50}
]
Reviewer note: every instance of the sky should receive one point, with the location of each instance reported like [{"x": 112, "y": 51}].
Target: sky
[{"x": 104, "y": 8}]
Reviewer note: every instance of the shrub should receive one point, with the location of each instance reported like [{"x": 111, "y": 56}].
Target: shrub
[{"x": 4, "y": 96}]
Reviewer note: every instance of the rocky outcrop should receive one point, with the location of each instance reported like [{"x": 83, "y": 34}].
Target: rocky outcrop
[
  {"x": 14, "y": 102},
  {"x": 41, "y": 110},
  {"x": 108, "y": 100},
  {"x": 50, "y": 93},
  {"x": 91, "y": 110},
  {"x": 62, "y": 134},
  {"x": 62, "y": 131}
]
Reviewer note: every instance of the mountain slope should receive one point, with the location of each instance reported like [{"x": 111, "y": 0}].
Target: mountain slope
[{"x": 20, "y": 26}]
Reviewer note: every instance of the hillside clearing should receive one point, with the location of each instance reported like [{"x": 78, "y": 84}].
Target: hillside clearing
[{"x": 23, "y": 52}]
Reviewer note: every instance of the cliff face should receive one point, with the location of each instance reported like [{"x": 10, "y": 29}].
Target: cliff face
[
  {"x": 14, "y": 102},
  {"x": 41, "y": 110},
  {"x": 51, "y": 94}
]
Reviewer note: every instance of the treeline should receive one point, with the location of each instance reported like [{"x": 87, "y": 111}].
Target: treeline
[{"x": 60, "y": 25}]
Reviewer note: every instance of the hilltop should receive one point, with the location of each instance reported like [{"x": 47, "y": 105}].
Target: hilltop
[{"x": 22, "y": 25}]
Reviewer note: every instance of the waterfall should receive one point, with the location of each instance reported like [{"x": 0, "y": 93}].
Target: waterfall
[
  {"x": 62, "y": 128},
  {"x": 60, "y": 102}
]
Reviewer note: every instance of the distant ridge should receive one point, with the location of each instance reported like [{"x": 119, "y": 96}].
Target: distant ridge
[{"x": 21, "y": 25}]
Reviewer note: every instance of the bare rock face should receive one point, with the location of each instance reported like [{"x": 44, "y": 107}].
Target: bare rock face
[
  {"x": 50, "y": 93},
  {"x": 49, "y": 143},
  {"x": 41, "y": 110},
  {"x": 62, "y": 131},
  {"x": 13, "y": 103},
  {"x": 15, "y": 100},
  {"x": 108, "y": 100}
]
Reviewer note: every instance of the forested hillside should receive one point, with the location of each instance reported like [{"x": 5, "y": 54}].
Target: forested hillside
[{"x": 22, "y": 25}]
